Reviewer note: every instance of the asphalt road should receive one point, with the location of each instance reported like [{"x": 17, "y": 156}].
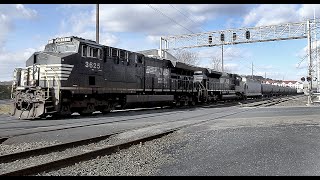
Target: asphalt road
[
  {"x": 264, "y": 142},
  {"x": 236, "y": 141}
]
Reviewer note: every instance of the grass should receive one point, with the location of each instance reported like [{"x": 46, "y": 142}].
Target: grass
[{"x": 4, "y": 109}]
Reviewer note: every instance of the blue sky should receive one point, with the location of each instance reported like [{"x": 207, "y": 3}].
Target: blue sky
[{"x": 26, "y": 28}]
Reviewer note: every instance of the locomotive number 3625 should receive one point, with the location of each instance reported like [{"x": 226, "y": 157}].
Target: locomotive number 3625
[{"x": 92, "y": 65}]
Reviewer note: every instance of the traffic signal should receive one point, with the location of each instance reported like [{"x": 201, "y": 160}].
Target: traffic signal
[
  {"x": 247, "y": 34},
  {"x": 222, "y": 37},
  {"x": 303, "y": 79},
  {"x": 234, "y": 36},
  {"x": 210, "y": 39}
]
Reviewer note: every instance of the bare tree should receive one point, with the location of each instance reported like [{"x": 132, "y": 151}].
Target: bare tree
[
  {"x": 187, "y": 57},
  {"x": 216, "y": 65}
]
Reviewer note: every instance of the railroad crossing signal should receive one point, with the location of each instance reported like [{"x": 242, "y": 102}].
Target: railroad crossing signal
[{"x": 303, "y": 79}]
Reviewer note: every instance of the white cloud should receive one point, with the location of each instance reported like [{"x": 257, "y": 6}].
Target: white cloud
[
  {"x": 17, "y": 11},
  {"x": 232, "y": 67},
  {"x": 150, "y": 19},
  {"x": 141, "y": 19},
  {"x": 22, "y": 12},
  {"x": 230, "y": 53},
  {"x": 11, "y": 60},
  {"x": 307, "y": 10},
  {"x": 153, "y": 39},
  {"x": 8, "y": 13},
  {"x": 270, "y": 14},
  {"x": 5, "y": 28}
]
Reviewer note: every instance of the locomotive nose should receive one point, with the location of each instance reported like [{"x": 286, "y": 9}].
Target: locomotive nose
[{"x": 27, "y": 105}]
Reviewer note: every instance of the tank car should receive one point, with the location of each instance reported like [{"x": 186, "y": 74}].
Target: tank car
[
  {"x": 267, "y": 90},
  {"x": 252, "y": 88}
]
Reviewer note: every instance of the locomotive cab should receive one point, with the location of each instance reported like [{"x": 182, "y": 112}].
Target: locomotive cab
[
  {"x": 199, "y": 76},
  {"x": 41, "y": 81}
]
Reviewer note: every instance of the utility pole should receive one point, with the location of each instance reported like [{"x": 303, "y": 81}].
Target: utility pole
[
  {"x": 97, "y": 23},
  {"x": 310, "y": 64},
  {"x": 317, "y": 58},
  {"x": 222, "y": 57},
  {"x": 252, "y": 70}
]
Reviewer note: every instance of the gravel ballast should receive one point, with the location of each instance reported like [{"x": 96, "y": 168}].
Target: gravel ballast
[{"x": 138, "y": 160}]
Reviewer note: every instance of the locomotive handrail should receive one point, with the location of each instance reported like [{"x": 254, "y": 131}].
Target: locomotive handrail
[
  {"x": 48, "y": 84},
  {"x": 14, "y": 77},
  {"x": 58, "y": 83}
]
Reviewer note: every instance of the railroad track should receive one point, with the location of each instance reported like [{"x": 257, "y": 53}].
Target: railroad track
[
  {"x": 62, "y": 161},
  {"x": 270, "y": 102},
  {"x": 99, "y": 121}
]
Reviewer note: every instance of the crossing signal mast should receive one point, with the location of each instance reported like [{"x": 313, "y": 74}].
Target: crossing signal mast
[{"x": 288, "y": 31}]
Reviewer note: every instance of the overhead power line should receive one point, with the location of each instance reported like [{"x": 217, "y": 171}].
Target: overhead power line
[
  {"x": 187, "y": 17},
  {"x": 157, "y": 10}
]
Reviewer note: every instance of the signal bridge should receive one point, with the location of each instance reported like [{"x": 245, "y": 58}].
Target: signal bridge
[
  {"x": 288, "y": 31},
  {"x": 278, "y": 32}
]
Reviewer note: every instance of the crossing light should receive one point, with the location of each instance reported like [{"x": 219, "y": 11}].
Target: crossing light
[
  {"x": 247, "y": 34},
  {"x": 308, "y": 78},
  {"x": 303, "y": 79},
  {"x": 222, "y": 37}
]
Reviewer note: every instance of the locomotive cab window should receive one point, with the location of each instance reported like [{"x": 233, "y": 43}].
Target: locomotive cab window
[
  {"x": 88, "y": 51},
  {"x": 106, "y": 54},
  {"x": 115, "y": 56},
  {"x": 140, "y": 59},
  {"x": 122, "y": 54},
  {"x": 84, "y": 51},
  {"x": 99, "y": 54},
  {"x": 114, "y": 52}
]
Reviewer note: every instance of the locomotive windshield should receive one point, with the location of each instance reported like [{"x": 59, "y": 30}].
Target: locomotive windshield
[
  {"x": 62, "y": 45},
  {"x": 61, "y": 48}
]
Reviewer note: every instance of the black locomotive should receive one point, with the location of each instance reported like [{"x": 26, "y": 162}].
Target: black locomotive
[{"x": 73, "y": 74}]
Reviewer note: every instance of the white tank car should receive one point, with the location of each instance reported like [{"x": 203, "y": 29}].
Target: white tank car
[{"x": 252, "y": 88}]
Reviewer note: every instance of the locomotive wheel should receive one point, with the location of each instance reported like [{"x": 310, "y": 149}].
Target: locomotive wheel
[
  {"x": 107, "y": 108},
  {"x": 185, "y": 103},
  {"x": 65, "y": 110},
  {"x": 87, "y": 111},
  {"x": 178, "y": 104},
  {"x": 192, "y": 103}
]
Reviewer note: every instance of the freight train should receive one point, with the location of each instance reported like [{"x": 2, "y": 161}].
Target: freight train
[{"x": 73, "y": 74}]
